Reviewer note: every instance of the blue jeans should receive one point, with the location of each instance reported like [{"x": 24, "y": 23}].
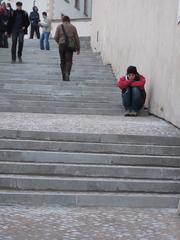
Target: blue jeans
[
  {"x": 44, "y": 39},
  {"x": 133, "y": 98}
]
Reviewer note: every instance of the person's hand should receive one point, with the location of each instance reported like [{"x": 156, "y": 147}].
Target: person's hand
[
  {"x": 78, "y": 52},
  {"x": 23, "y": 28}
]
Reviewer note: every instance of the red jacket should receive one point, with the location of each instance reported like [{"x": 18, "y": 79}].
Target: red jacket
[{"x": 124, "y": 83}]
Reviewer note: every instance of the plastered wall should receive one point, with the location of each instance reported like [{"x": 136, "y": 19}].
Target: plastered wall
[{"x": 143, "y": 33}]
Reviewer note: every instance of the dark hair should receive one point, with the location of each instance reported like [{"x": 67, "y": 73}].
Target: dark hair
[
  {"x": 19, "y": 4},
  {"x": 66, "y": 19},
  {"x": 44, "y": 13}
]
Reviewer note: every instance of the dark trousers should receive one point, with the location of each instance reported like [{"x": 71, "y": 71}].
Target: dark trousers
[
  {"x": 17, "y": 37},
  {"x": 133, "y": 98},
  {"x": 35, "y": 29},
  {"x": 66, "y": 57},
  {"x": 3, "y": 40}
]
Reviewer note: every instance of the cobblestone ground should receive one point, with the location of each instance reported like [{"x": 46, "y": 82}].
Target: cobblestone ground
[{"x": 55, "y": 223}]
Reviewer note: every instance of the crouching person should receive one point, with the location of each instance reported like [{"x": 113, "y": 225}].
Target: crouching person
[{"x": 133, "y": 92}]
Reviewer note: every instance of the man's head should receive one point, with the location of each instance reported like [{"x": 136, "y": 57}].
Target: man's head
[
  {"x": 44, "y": 14},
  {"x": 3, "y": 5},
  {"x": 66, "y": 19},
  {"x": 19, "y": 5},
  {"x": 35, "y": 9},
  {"x": 132, "y": 72}
]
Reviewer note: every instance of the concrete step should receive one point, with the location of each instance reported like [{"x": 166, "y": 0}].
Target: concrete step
[
  {"x": 81, "y": 199},
  {"x": 96, "y": 184},
  {"x": 90, "y": 171},
  {"x": 107, "y": 148},
  {"x": 61, "y": 98},
  {"x": 60, "y": 110},
  {"x": 90, "y": 137},
  {"x": 24, "y": 156},
  {"x": 64, "y": 104}
]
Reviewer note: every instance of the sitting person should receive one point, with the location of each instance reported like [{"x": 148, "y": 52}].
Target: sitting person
[{"x": 133, "y": 92}]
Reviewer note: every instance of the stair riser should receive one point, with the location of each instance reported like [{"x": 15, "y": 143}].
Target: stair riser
[
  {"x": 76, "y": 158},
  {"x": 89, "y": 171},
  {"x": 75, "y": 200},
  {"x": 89, "y": 185},
  {"x": 92, "y": 138},
  {"x": 90, "y": 147}
]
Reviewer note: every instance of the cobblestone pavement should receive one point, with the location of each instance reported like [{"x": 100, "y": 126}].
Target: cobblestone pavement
[
  {"x": 55, "y": 223},
  {"x": 87, "y": 124}
]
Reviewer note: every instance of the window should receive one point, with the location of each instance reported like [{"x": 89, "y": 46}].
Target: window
[
  {"x": 77, "y": 4},
  {"x": 178, "y": 15},
  {"x": 86, "y": 7}
]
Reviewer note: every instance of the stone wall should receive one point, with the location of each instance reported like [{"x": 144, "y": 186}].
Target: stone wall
[{"x": 143, "y": 33}]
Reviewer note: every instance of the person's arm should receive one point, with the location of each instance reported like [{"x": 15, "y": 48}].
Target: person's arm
[
  {"x": 140, "y": 83},
  {"x": 77, "y": 40},
  {"x": 123, "y": 83},
  {"x": 46, "y": 23},
  {"x": 57, "y": 35}
]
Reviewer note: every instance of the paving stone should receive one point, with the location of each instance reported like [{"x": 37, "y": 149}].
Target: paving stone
[{"x": 26, "y": 223}]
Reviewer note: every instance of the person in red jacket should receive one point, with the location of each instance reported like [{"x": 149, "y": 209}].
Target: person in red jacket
[{"x": 133, "y": 92}]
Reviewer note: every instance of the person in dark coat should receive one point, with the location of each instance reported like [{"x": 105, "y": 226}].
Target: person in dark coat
[
  {"x": 17, "y": 27},
  {"x": 34, "y": 20},
  {"x": 4, "y": 18}
]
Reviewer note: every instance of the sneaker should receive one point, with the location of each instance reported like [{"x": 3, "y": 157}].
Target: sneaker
[
  {"x": 20, "y": 60},
  {"x": 13, "y": 61},
  {"x": 127, "y": 113},
  {"x": 133, "y": 114},
  {"x": 66, "y": 77}
]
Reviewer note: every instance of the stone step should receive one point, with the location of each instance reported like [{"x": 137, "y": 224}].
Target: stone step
[
  {"x": 36, "y": 97},
  {"x": 90, "y": 137},
  {"x": 96, "y": 184},
  {"x": 90, "y": 171},
  {"x": 56, "y": 104},
  {"x": 89, "y": 158},
  {"x": 81, "y": 199},
  {"x": 61, "y": 88},
  {"x": 60, "y": 110},
  {"x": 107, "y": 148},
  {"x": 59, "y": 82}
]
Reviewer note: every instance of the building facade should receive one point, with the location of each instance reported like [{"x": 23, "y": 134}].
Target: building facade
[
  {"x": 75, "y": 9},
  {"x": 145, "y": 34}
]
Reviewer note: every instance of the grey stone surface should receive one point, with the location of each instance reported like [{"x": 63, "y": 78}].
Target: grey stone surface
[
  {"x": 150, "y": 126},
  {"x": 39, "y": 75},
  {"x": 44, "y": 223}
]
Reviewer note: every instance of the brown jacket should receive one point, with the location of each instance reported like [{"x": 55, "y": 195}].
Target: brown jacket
[{"x": 71, "y": 32}]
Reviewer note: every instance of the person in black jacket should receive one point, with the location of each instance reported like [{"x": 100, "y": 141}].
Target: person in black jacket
[
  {"x": 34, "y": 19},
  {"x": 17, "y": 27}
]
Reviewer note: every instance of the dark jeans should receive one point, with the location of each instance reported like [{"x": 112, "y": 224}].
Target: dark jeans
[
  {"x": 35, "y": 29},
  {"x": 17, "y": 37},
  {"x": 133, "y": 98},
  {"x": 3, "y": 40},
  {"x": 66, "y": 57}
]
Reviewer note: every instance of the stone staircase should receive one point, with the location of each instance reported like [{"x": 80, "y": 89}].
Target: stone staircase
[
  {"x": 36, "y": 86},
  {"x": 89, "y": 169},
  {"x": 72, "y": 168}
]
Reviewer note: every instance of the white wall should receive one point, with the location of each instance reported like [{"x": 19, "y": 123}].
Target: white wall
[
  {"x": 83, "y": 27},
  {"x": 143, "y": 33}
]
